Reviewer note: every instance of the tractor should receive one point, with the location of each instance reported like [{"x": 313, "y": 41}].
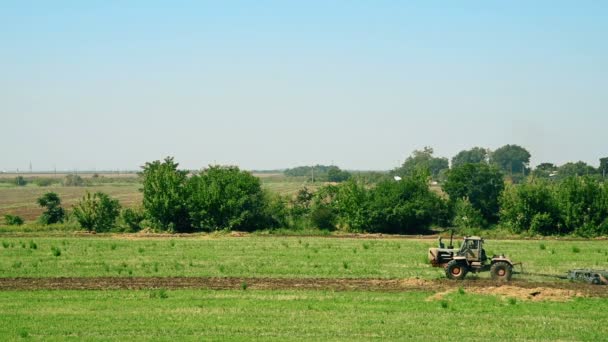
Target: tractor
[{"x": 471, "y": 257}]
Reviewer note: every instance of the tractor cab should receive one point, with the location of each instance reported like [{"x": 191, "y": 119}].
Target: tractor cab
[{"x": 472, "y": 249}]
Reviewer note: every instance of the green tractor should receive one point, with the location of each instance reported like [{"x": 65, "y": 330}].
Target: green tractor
[{"x": 471, "y": 257}]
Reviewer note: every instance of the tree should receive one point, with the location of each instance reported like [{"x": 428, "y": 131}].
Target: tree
[
  {"x": 334, "y": 174},
  {"x": 511, "y": 159},
  {"x": 97, "y": 212},
  {"x": 475, "y": 155},
  {"x": 423, "y": 159},
  {"x": 224, "y": 197},
  {"x": 603, "y": 169},
  {"x": 583, "y": 206},
  {"x": 20, "y": 181},
  {"x": 404, "y": 207},
  {"x": 530, "y": 207},
  {"x": 481, "y": 184},
  {"x": 579, "y": 168},
  {"x": 165, "y": 195},
  {"x": 545, "y": 170},
  {"x": 54, "y": 213}
]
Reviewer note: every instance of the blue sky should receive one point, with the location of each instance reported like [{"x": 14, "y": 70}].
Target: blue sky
[{"x": 273, "y": 84}]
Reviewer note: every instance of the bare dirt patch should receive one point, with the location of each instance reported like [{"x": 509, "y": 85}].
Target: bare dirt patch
[
  {"x": 518, "y": 289},
  {"x": 521, "y": 293}
]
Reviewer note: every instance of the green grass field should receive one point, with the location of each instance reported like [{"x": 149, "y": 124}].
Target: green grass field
[
  {"x": 293, "y": 315},
  {"x": 254, "y": 256},
  {"x": 250, "y": 314}
]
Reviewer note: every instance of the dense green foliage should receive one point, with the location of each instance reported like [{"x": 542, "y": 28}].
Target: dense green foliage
[
  {"x": 97, "y": 212},
  {"x": 13, "y": 220},
  {"x": 20, "y": 181},
  {"x": 480, "y": 184},
  {"x": 225, "y": 198},
  {"x": 511, "y": 159},
  {"x": 165, "y": 195},
  {"x": 53, "y": 213},
  {"x": 403, "y": 207},
  {"x": 423, "y": 159},
  {"x": 473, "y": 156},
  {"x": 576, "y": 205},
  {"x": 214, "y": 199},
  {"x": 131, "y": 219},
  {"x": 334, "y": 174},
  {"x": 320, "y": 173}
]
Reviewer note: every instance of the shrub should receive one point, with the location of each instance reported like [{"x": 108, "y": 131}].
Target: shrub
[
  {"x": 13, "y": 220},
  {"x": 224, "y": 197},
  {"x": 583, "y": 205},
  {"x": 530, "y": 206},
  {"x": 165, "y": 194},
  {"x": 323, "y": 217},
  {"x": 73, "y": 180},
  {"x": 132, "y": 219},
  {"x": 480, "y": 183},
  {"x": 403, "y": 207},
  {"x": 466, "y": 216},
  {"x": 56, "y": 251},
  {"x": 44, "y": 181},
  {"x": 54, "y": 213},
  {"x": 20, "y": 181},
  {"x": 97, "y": 212}
]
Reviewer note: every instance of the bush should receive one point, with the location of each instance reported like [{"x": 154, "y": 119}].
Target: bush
[
  {"x": 97, "y": 212},
  {"x": 73, "y": 180},
  {"x": 132, "y": 219},
  {"x": 401, "y": 207},
  {"x": 165, "y": 194},
  {"x": 466, "y": 216},
  {"x": 323, "y": 217},
  {"x": 583, "y": 205},
  {"x": 480, "y": 183},
  {"x": 44, "y": 181},
  {"x": 13, "y": 220},
  {"x": 20, "y": 181},
  {"x": 530, "y": 206},
  {"x": 54, "y": 213},
  {"x": 226, "y": 198}
]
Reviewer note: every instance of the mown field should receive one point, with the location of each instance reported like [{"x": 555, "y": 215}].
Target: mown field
[
  {"x": 260, "y": 256},
  {"x": 282, "y": 312},
  {"x": 245, "y": 315}
]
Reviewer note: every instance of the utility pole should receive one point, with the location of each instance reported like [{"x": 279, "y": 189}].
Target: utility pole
[{"x": 313, "y": 173}]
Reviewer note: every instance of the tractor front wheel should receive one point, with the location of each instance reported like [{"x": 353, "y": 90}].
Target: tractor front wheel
[
  {"x": 501, "y": 271},
  {"x": 456, "y": 270}
]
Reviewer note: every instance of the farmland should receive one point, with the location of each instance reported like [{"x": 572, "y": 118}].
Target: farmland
[
  {"x": 288, "y": 257},
  {"x": 21, "y": 200},
  {"x": 291, "y": 315},
  {"x": 277, "y": 288}
]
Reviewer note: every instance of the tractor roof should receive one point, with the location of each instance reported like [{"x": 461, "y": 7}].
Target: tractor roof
[{"x": 473, "y": 238}]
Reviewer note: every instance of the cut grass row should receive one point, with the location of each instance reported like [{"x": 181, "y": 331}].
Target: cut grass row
[
  {"x": 289, "y": 257},
  {"x": 293, "y": 315}
]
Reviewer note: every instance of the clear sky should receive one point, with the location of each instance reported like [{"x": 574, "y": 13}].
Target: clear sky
[{"x": 275, "y": 84}]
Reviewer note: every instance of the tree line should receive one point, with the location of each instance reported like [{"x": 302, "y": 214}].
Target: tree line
[{"x": 476, "y": 192}]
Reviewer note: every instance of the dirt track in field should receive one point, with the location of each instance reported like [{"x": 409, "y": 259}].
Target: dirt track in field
[{"x": 519, "y": 289}]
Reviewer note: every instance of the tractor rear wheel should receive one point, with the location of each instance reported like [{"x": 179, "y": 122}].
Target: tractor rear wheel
[
  {"x": 456, "y": 270},
  {"x": 501, "y": 271}
]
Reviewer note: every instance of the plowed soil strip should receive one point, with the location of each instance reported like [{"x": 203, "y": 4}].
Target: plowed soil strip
[{"x": 337, "y": 284}]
